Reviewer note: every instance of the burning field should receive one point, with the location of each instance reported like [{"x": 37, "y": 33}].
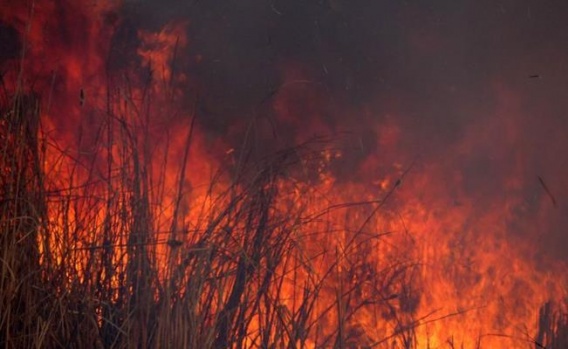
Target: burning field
[{"x": 283, "y": 174}]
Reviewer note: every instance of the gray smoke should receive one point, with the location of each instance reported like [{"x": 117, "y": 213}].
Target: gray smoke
[{"x": 439, "y": 68}]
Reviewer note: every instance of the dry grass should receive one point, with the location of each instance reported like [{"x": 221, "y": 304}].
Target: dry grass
[{"x": 86, "y": 264}]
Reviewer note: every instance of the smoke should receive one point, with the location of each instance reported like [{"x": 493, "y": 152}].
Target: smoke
[
  {"x": 476, "y": 87},
  {"x": 433, "y": 64}
]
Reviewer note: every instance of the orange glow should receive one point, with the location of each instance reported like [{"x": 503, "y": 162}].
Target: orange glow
[{"x": 404, "y": 250}]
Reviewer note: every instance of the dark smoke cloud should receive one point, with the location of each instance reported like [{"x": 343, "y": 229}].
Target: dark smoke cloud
[
  {"x": 486, "y": 76},
  {"x": 347, "y": 51},
  {"x": 440, "y": 68},
  {"x": 431, "y": 62}
]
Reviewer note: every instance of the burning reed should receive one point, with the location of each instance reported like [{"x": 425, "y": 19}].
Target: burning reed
[
  {"x": 123, "y": 224},
  {"x": 98, "y": 251}
]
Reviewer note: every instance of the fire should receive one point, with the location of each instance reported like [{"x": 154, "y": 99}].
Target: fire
[{"x": 404, "y": 251}]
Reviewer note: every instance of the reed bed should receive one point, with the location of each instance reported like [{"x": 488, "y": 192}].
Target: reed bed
[{"x": 96, "y": 250}]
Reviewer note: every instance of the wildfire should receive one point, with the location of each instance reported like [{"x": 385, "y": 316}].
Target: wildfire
[{"x": 404, "y": 251}]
